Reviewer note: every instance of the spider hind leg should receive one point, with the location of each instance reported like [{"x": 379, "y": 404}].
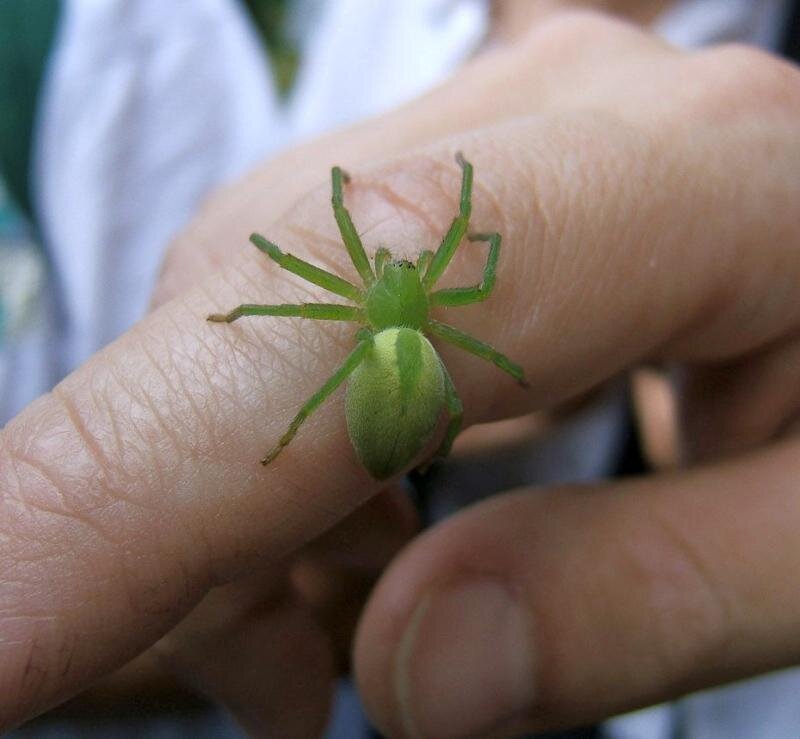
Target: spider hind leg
[
  {"x": 337, "y": 378},
  {"x": 478, "y": 348}
]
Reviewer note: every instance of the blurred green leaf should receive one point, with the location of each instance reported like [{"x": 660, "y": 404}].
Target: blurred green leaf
[{"x": 270, "y": 18}]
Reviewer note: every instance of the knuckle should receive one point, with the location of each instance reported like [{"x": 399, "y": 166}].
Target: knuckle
[
  {"x": 741, "y": 79},
  {"x": 574, "y": 34},
  {"x": 692, "y": 617},
  {"x": 406, "y": 204}
]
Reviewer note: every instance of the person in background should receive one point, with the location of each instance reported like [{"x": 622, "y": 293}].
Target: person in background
[{"x": 128, "y": 116}]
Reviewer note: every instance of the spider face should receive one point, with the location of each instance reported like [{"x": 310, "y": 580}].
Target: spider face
[{"x": 397, "y": 298}]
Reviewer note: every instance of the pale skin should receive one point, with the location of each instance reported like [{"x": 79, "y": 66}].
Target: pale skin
[{"x": 648, "y": 204}]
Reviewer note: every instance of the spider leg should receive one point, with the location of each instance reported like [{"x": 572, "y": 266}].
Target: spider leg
[
  {"x": 478, "y": 348},
  {"x": 316, "y": 275},
  {"x": 456, "y": 411},
  {"x": 457, "y": 228},
  {"x": 337, "y": 378},
  {"x": 463, "y": 295},
  {"x": 382, "y": 255},
  {"x": 424, "y": 262},
  {"x": 317, "y": 311},
  {"x": 350, "y": 237}
]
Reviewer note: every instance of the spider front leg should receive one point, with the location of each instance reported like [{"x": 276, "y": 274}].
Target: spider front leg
[
  {"x": 316, "y": 311},
  {"x": 345, "y": 370},
  {"x": 457, "y": 228},
  {"x": 382, "y": 255},
  {"x": 424, "y": 262},
  {"x": 455, "y": 296},
  {"x": 478, "y": 348},
  {"x": 350, "y": 237},
  {"x": 455, "y": 409},
  {"x": 306, "y": 270}
]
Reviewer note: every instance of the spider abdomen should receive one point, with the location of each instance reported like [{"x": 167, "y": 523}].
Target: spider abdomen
[{"x": 394, "y": 399}]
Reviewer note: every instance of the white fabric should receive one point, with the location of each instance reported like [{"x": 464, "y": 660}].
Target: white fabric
[
  {"x": 147, "y": 106},
  {"x": 363, "y": 58},
  {"x": 150, "y": 104},
  {"x": 695, "y": 23}
]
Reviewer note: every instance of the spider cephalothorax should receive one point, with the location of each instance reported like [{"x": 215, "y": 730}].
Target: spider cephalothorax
[{"x": 397, "y": 383}]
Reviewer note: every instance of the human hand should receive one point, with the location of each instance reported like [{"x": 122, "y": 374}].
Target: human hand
[
  {"x": 611, "y": 164},
  {"x": 546, "y": 609}
]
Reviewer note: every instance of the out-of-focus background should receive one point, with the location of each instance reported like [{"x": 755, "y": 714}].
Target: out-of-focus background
[{"x": 119, "y": 117}]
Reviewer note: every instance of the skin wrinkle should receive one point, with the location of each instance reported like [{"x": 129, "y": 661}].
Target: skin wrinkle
[
  {"x": 67, "y": 654},
  {"x": 401, "y": 205},
  {"x": 86, "y": 521},
  {"x": 153, "y": 417},
  {"x": 161, "y": 485},
  {"x": 589, "y": 270},
  {"x": 263, "y": 348},
  {"x": 640, "y": 260},
  {"x": 219, "y": 571},
  {"x": 213, "y": 403},
  {"x": 178, "y": 388},
  {"x": 436, "y": 179},
  {"x": 33, "y": 675},
  {"x": 224, "y": 385},
  {"x": 89, "y": 442},
  {"x": 386, "y": 195},
  {"x": 429, "y": 174},
  {"x": 136, "y": 592},
  {"x": 714, "y": 636},
  {"x": 189, "y": 424},
  {"x": 114, "y": 424},
  {"x": 28, "y": 550},
  {"x": 158, "y": 598},
  {"x": 293, "y": 330},
  {"x": 117, "y": 375},
  {"x": 36, "y": 673},
  {"x": 36, "y": 506},
  {"x": 10, "y": 493},
  {"x": 240, "y": 363},
  {"x": 685, "y": 644},
  {"x": 314, "y": 239}
]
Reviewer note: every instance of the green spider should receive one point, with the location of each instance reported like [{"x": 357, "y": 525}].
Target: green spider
[{"x": 398, "y": 385}]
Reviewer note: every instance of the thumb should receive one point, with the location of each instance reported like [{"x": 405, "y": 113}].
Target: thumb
[{"x": 547, "y": 610}]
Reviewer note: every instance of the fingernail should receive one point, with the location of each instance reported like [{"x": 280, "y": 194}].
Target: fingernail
[{"x": 465, "y": 663}]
